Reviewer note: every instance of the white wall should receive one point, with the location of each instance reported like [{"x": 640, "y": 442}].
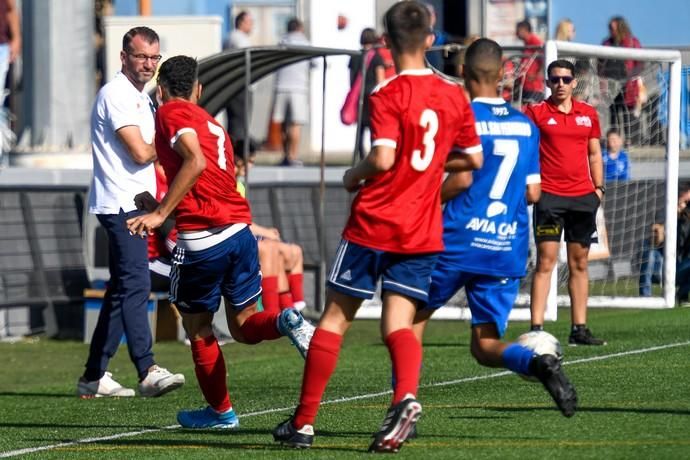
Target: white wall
[
  {"x": 323, "y": 32},
  {"x": 195, "y": 36}
]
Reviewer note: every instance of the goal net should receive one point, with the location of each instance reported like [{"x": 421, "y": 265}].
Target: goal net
[{"x": 637, "y": 92}]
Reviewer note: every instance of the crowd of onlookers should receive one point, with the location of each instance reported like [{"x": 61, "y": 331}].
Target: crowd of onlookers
[{"x": 617, "y": 87}]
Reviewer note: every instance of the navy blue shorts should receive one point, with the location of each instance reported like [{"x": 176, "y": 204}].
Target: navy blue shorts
[
  {"x": 229, "y": 268},
  {"x": 490, "y": 298},
  {"x": 357, "y": 269}
]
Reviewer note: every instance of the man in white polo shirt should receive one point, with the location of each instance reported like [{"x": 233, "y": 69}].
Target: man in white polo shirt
[{"x": 122, "y": 129}]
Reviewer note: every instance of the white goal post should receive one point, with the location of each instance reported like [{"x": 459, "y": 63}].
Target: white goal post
[
  {"x": 666, "y": 190},
  {"x": 557, "y": 49}
]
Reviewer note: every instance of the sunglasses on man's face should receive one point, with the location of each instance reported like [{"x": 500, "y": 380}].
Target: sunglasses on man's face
[{"x": 554, "y": 80}]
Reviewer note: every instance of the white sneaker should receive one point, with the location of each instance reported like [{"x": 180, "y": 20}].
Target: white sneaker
[
  {"x": 159, "y": 381},
  {"x": 104, "y": 387}
]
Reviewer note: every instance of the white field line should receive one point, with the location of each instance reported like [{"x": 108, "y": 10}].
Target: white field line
[{"x": 31, "y": 450}]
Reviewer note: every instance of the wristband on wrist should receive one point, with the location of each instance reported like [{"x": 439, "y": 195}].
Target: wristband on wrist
[{"x": 600, "y": 187}]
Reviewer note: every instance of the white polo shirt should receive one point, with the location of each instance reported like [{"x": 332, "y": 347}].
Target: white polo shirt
[{"x": 116, "y": 177}]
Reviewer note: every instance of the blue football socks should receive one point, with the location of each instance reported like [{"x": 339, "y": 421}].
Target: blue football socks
[{"x": 517, "y": 358}]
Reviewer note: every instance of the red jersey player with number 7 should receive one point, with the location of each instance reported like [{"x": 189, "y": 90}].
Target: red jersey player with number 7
[
  {"x": 216, "y": 254},
  {"x": 421, "y": 125}
]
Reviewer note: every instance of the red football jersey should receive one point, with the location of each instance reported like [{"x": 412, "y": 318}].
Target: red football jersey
[
  {"x": 534, "y": 74},
  {"x": 157, "y": 245},
  {"x": 424, "y": 117},
  {"x": 214, "y": 200},
  {"x": 564, "y": 146}
]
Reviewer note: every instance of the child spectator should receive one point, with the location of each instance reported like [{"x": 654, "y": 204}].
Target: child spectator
[{"x": 616, "y": 162}]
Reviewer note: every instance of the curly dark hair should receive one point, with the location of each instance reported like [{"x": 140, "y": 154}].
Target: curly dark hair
[{"x": 177, "y": 75}]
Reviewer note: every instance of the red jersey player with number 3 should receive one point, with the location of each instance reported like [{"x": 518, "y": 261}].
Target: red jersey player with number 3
[
  {"x": 394, "y": 232},
  {"x": 216, "y": 254}
]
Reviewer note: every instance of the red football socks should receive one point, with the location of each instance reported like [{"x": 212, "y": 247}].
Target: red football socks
[
  {"x": 209, "y": 366},
  {"x": 269, "y": 294},
  {"x": 296, "y": 282},
  {"x": 285, "y": 300},
  {"x": 261, "y": 326},
  {"x": 318, "y": 368},
  {"x": 406, "y": 357}
]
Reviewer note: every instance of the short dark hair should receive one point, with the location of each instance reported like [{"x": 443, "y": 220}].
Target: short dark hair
[
  {"x": 368, "y": 37},
  {"x": 561, "y": 64},
  {"x": 483, "y": 60},
  {"x": 240, "y": 17},
  {"x": 294, "y": 25},
  {"x": 613, "y": 131},
  {"x": 407, "y": 25},
  {"x": 177, "y": 75},
  {"x": 149, "y": 35},
  {"x": 524, "y": 24}
]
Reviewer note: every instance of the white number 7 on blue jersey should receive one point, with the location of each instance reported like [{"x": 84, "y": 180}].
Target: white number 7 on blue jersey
[{"x": 508, "y": 149}]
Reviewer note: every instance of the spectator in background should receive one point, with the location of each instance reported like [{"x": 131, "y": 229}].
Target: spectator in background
[
  {"x": 387, "y": 57},
  {"x": 460, "y": 57},
  {"x": 572, "y": 189},
  {"x": 508, "y": 80},
  {"x": 531, "y": 72},
  {"x": 625, "y": 86},
  {"x": 683, "y": 245},
  {"x": 282, "y": 263},
  {"x": 239, "y": 37},
  {"x": 587, "y": 89},
  {"x": 652, "y": 256},
  {"x": 242, "y": 102},
  {"x": 291, "y": 103},
  {"x": 102, "y": 8},
  {"x": 10, "y": 37},
  {"x": 10, "y": 47},
  {"x": 565, "y": 30},
  {"x": 122, "y": 130},
  {"x": 616, "y": 162},
  {"x": 374, "y": 74},
  {"x": 435, "y": 58}
]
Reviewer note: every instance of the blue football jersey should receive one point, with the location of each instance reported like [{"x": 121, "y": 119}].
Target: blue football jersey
[{"x": 486, "y": 228}]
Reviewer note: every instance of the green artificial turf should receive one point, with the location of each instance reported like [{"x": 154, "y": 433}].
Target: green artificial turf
[{"x": 634, "y": 403}]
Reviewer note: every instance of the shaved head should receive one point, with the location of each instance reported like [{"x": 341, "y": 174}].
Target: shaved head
[{"x": 483, "y": 61}]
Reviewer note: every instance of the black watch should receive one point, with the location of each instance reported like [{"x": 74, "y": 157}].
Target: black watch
[{"x": 602, "y": 188}]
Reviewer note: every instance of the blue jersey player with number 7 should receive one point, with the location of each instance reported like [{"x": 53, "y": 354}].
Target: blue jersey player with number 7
[
  {"x": 421, "y": 125},
  {"x": 486, "y": 229}
]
